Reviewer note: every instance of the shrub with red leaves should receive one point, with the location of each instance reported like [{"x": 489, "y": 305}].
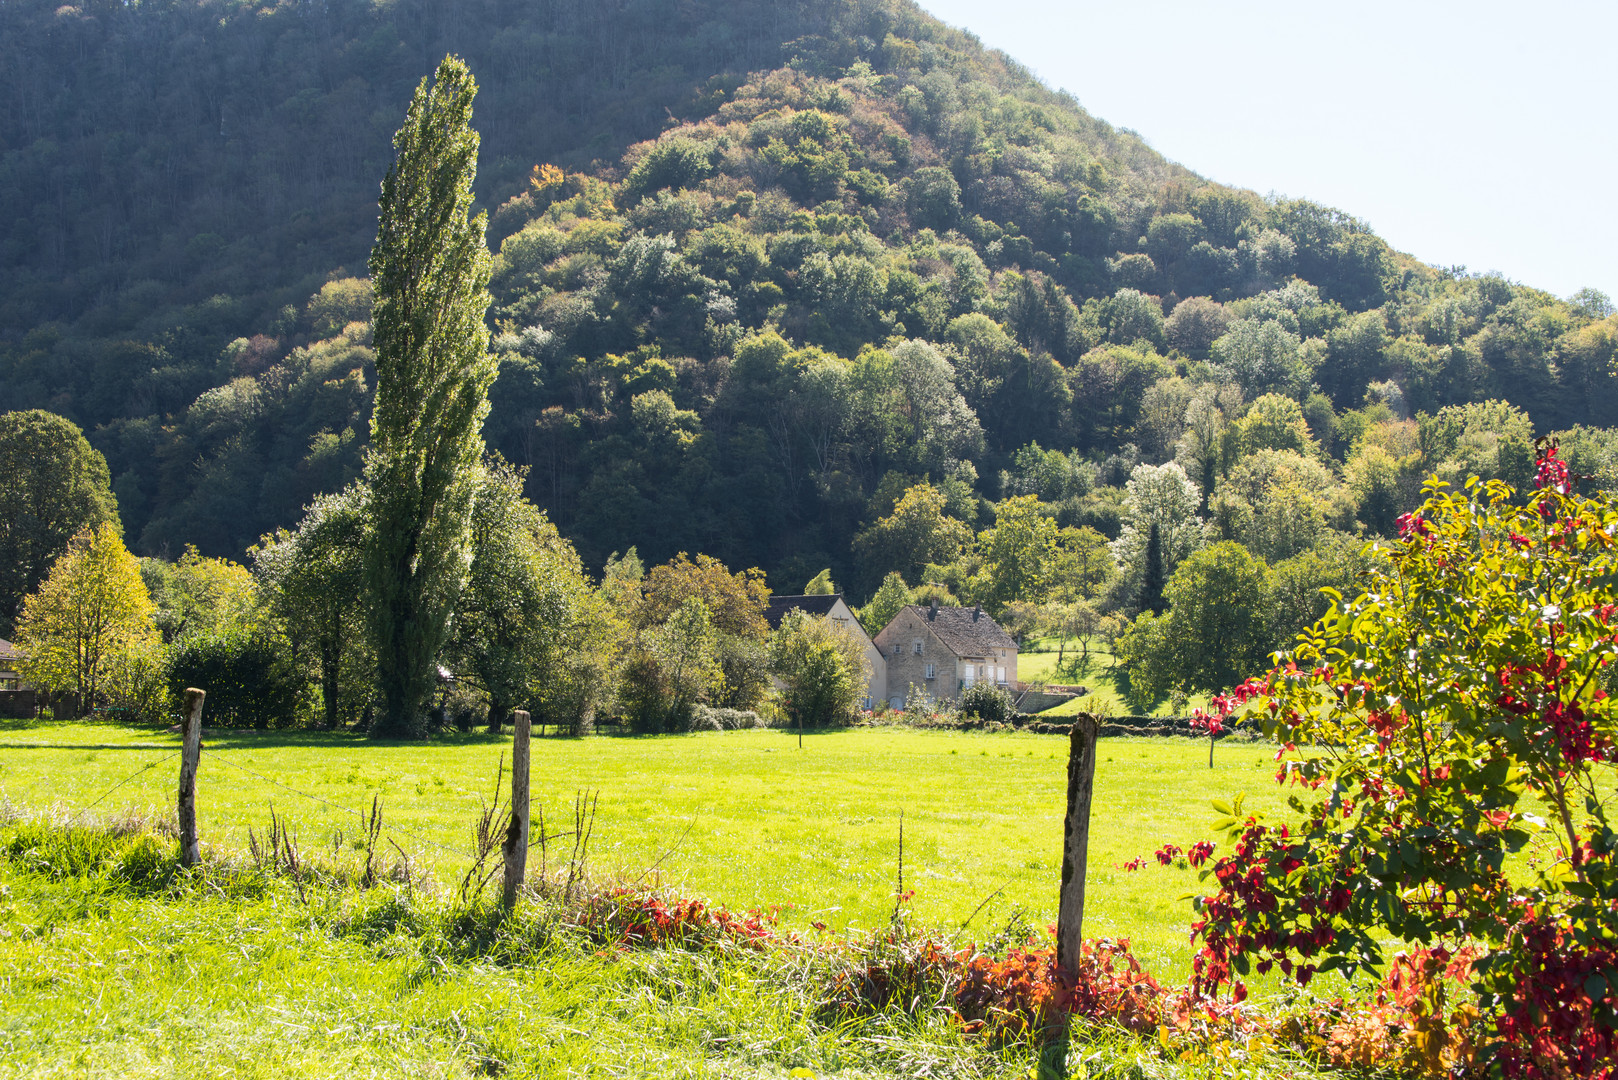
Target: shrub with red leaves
[{"x": 1438, "y": 715}]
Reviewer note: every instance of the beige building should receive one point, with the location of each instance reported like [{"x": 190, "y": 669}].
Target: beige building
[
  {"x": 937, "y": 652},
  {"x": 835, "y": 610},
  {"x": 9, "y": 679}
]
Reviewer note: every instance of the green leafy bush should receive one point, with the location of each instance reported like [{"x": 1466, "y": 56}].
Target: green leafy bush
[
  {"x": 248, "y": 677},
  {"x": 986, "y": 702}
]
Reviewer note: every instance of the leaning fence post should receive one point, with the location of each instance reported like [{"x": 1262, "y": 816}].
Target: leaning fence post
[
  {"x": 515, "y": 848},
  {"x": 1081, "y": 773},
  {"x": 190, "y": 756}
]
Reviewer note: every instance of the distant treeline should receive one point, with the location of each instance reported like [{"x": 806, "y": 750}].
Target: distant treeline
[{"x": 860, "y": 253}]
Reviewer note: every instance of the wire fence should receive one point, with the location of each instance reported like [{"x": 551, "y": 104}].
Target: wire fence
[{"x": 150, "y": 765}]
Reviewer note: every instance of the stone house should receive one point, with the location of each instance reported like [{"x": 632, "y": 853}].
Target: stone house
[
  {"x": 940, "y": 651},
  {"x": 835, "y": 610},
  {"x": 16, "y": 698}
]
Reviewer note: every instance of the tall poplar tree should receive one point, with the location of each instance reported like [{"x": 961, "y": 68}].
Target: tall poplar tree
[{"x": 430, "y": 271}]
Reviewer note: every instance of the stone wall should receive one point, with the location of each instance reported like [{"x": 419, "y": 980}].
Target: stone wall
[{"x": 906, "y": 669}]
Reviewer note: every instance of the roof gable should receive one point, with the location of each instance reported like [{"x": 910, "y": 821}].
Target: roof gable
[
  {"x": 818, "y": 604},
  {"x": 963, "y": 631}
]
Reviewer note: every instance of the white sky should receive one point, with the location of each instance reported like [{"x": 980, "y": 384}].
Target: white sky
[{"x": 1479, "y": 133}]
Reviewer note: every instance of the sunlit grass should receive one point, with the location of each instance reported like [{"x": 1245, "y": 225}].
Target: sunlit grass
[
  {"x": 116, "y": 963},
  {"x": 744, "y": 818}
]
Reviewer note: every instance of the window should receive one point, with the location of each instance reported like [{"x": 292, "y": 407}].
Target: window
[
  {"x": 916, "y": 646},
  {"x": 897, "y": 648},
  {"x": 930, "y": 671}
]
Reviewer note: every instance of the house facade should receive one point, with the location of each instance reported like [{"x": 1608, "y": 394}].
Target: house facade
[
  {"x": 937, "y": 652},
  {"x": 835, "y": 610},
  {"x": 16, "y": 699}
]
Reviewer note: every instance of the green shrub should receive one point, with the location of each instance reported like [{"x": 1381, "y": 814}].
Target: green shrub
[
  {"x": 247, "y": 676},
  {"x": 987, "y": 702}
]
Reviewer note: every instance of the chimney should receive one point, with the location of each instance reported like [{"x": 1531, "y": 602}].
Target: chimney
[
  {"x": 932, "y": 612},
  {"x": 976, "y": 611}
]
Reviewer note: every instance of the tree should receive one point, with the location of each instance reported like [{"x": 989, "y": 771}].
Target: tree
[
  {"x": 1273, "y": 422},
  {"x": 1444, "y": 710},
  {"x": 430, "y": 268},
  {"x": 820, "y": 585},
  {"x": 1018, "y": 553},
  {"x": 822, "y": 667},
  {"x": 90, "y": 621},
  {"x": 314, "y": 578},
  {"x": 1214, "y": 633},
  {"x": 1153, "y": 576},
  {"x": 677, "y": 669},
  {"x": 1081, "y": 563},
  {"x": 916, "y": 533},
  {"x": 734, "y": 602},
  {"x": 201, "y": 595},
  {"x": 55, "y": 486},
  {"x": 1160, "y": 495},
  {"x": 1261, "y": 356},
  {"x": 512, "y": 622},
  {"x": 888, "y": 601}
]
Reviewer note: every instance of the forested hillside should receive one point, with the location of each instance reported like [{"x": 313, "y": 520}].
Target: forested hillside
[{"x": 762, "y": 268}]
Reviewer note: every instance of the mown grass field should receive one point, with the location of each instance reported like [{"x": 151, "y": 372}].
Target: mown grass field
[{"x": 743, "y": 818}]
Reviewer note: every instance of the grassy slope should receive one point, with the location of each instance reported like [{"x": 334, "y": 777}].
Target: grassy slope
[
  {"x": 1109, "y": 692},
  {"x": 767, "y": 824}
]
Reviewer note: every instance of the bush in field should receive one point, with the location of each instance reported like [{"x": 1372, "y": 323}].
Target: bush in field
[
  {"x": 706, "y": 719},
  {"x": 1439, "y": 715},
  {"x": 247, "y": 676},
  {"x": 986, "y": 702},
  {"x": 822, "y": 667}
]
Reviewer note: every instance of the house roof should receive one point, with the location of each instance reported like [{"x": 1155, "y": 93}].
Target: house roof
[
  {"x": 8, "y": 651},
  {"x": 819, "y": 604},
  {"x": 964, "y": 631}
]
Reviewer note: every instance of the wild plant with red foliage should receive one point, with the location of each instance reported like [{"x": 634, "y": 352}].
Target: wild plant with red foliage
[{"x": 1437, "y": 713}]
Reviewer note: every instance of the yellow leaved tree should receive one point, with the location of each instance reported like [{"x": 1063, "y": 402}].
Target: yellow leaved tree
[{"x": 88, "y": 631}]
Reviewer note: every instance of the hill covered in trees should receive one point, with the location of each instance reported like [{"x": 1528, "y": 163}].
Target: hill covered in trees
[{"x": 762, "y": 269}]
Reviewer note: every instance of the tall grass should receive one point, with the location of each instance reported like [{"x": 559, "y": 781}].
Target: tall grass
[{"x": 118, "y": 962}]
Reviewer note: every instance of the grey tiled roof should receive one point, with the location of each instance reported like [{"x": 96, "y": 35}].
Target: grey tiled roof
[
  {"x": 966, "y": 631},
  {"x": 8, "y": 651},
  {"x": 820, "y": 604}
]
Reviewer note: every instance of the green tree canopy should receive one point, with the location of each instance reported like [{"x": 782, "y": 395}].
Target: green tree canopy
[
  {"x": 90, "y": 623},
  {"x": 822, "y": 667},
  {"x": 887, "y": 602},
  {"x": 1214, "y": 633},
  {"x": 1018, "y": 554},
  {"x": 521, "y": 599},
  {"x": 55, "y": 486},
  {"x": 314, "y": 577},
  {"x": 916, "y": 533}
]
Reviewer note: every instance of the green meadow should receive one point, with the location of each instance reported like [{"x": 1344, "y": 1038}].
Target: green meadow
[{"x": 745, "y": 819}]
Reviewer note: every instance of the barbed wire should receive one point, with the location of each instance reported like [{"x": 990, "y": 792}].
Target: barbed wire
[
  {"x": 344, "y": 809},
  {"x": 143, "y": 769}
]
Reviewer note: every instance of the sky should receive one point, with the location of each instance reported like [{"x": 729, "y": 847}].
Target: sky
[{"x": 1478, "y": 134}]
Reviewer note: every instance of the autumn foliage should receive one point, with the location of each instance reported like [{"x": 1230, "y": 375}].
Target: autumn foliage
[{"x": 1452, "y": 717}]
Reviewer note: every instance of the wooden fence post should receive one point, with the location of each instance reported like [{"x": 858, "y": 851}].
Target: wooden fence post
[
  {"x": 190, "y": 757},
  {"x": 515, "y": 848},
  {"x": 1081, "y": 773}
]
